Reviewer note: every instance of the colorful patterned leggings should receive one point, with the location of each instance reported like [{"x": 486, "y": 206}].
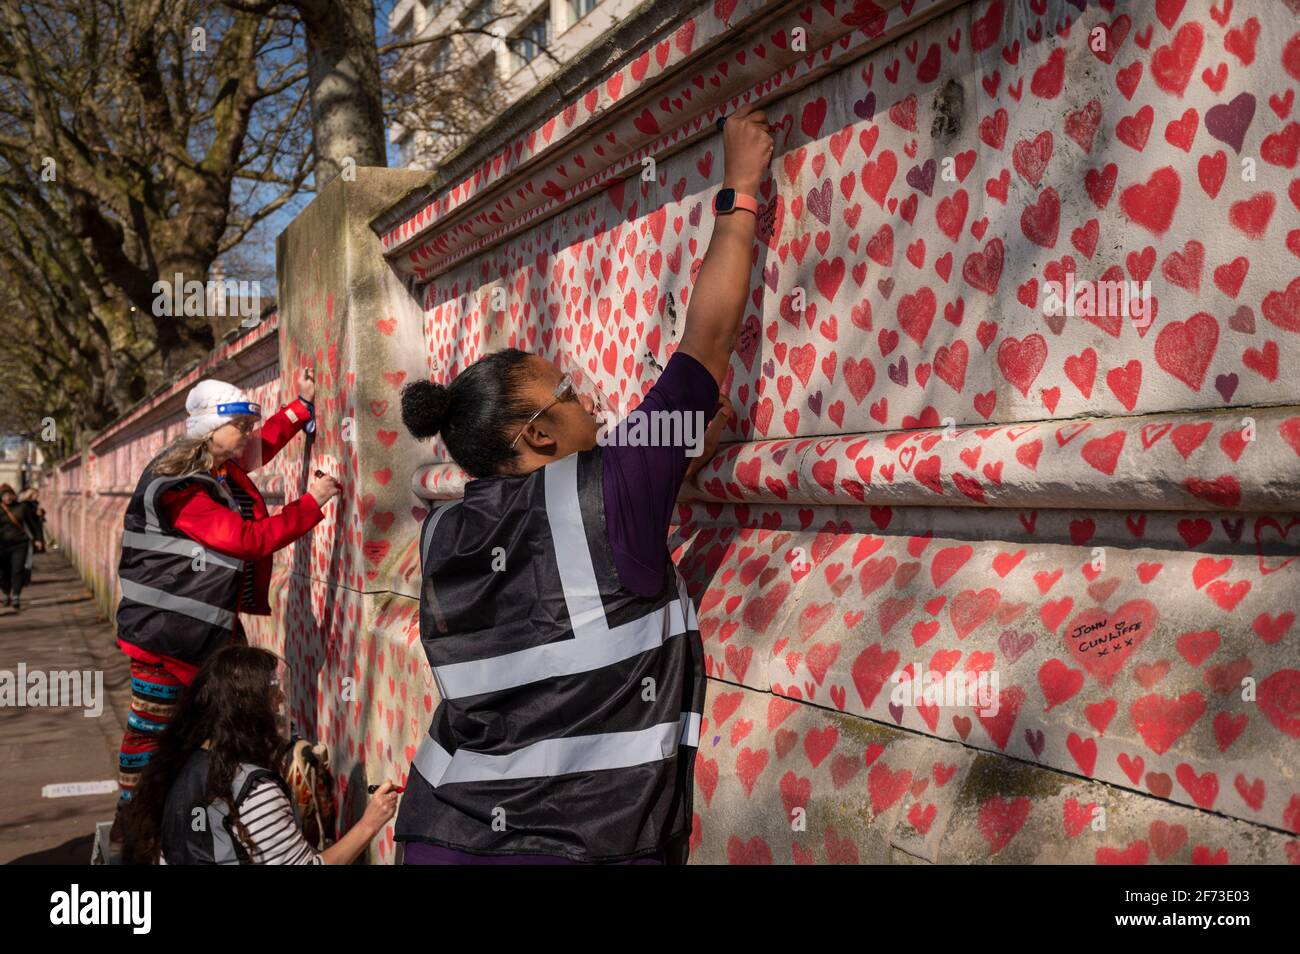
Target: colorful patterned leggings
[{"x": 154, "y": 692}]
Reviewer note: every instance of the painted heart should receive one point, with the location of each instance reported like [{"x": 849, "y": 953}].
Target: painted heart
[
  {"x": 1184, "y": 349},
  {"x": 1152, "y": 204},
  {"x": 1172, "y": 65},
  {"x": 1228, "y": 122},
  {"x": 1021, "y": 360},
  {"x": 1162, "y": 721},
  {"x": 1103, "y": 641}
]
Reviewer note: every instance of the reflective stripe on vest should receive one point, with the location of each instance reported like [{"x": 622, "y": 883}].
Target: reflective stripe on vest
[
  {"x": 161, "y": 599},
  {"x": 594, "y": 644},
  {"x": 584, "y": 753},
  {"x": 158, "y": 484},
  {"x": 426, "y": 541},
  {"x": 161, "y": 543},
  {"x": 429, "y": 526},
  {"x": 223, "y": 846}
]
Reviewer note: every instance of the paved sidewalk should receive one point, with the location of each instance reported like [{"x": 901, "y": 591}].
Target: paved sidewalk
[{"x": 60, "y": 628}]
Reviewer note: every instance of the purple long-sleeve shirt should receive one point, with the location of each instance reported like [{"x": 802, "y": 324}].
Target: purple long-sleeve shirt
[{"x": 641, "y": 485}]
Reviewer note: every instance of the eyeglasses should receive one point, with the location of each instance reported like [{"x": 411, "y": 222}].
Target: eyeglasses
[
  {"x": 564, "y": 391},
  {"x": 572, "y": 384}
]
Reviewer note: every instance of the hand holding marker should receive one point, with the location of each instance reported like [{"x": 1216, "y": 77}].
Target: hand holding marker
[{"x": 323, "y": 487}]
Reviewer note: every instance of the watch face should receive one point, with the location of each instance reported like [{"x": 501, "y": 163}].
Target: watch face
[{"x": 725, "y": 200}]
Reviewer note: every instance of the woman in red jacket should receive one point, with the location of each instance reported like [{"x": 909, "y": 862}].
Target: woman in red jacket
[{"x": 196, "y": 550}]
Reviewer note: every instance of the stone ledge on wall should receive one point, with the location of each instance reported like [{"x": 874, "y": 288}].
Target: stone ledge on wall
[{"x": 1069, "y": 463}]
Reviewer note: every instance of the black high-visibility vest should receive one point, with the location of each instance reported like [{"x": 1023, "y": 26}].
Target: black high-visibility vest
[
  {"x": 178, "y": 596},
  {"x": 196, "y": 831},
  {"x": 570, "y": 705}
]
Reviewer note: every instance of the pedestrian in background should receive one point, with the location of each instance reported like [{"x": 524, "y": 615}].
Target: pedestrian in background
[
  {"x": 197, "y": 543},
  {"x": 28, "y": 497},
  {"x": 21, "y": 535}
]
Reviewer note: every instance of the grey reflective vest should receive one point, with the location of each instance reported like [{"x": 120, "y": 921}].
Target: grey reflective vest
[
  {"x": 178, "y": 596},
  {"x": 198, "y": 832},
  {"x": 570, "y": 705}
]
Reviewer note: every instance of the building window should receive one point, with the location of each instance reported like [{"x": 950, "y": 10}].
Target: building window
[
  {"x": 406, "y": 29},
  {"x": 580, "y": 8},
  {"x": 527, "y": 43},
  {"x": 487, "y": 71},
  {"x": 478, "y": 14},
  {"x": 438, "y": 55}
]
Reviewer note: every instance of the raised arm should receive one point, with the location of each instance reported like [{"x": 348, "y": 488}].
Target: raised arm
[
  {"x": 280, "y": 427},
  {"x": 722, "y": 286}
]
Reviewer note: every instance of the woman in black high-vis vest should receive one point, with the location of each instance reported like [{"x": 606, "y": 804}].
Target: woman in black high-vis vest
[{"x": 562, "y": 639}]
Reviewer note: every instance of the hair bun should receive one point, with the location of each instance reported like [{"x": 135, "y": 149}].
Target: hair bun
[{"x": 424, "y": 408}]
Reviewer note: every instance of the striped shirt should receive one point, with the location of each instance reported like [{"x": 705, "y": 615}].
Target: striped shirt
[{"x": 277, "y": 840}]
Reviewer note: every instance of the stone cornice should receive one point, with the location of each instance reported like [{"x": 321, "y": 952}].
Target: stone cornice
[{"x": 667, "y": 97}]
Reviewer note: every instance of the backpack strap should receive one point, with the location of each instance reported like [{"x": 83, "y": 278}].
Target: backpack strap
[
  {"x": 17, "y": 523},
  {"x": 227, "y": 848}
]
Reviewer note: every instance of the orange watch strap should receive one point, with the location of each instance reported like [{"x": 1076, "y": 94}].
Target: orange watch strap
[{"x": 741, "y": 200}]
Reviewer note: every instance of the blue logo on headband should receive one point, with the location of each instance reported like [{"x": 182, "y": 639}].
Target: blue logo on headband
[{"x": 240, "y": 407}]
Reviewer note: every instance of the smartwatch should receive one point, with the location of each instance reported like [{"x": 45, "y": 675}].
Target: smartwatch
[
  {"x": 728, "y": 200},
  {"x": 310, "y": 426}
]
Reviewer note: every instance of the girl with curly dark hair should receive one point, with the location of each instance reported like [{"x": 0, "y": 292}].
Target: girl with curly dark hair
[{"x": 212, "y": 793}]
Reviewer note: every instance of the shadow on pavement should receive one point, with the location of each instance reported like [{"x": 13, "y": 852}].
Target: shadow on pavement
[{"x": 74, "y": 852}]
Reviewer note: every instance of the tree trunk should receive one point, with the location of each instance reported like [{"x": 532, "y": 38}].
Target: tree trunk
[{"x": 345, "y": 88}]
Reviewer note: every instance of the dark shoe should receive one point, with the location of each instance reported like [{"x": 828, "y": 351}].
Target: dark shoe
[{"x": 8, "y": 600}]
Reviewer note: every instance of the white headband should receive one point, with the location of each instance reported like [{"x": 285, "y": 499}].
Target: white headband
[{"x": 212, "y": 403}]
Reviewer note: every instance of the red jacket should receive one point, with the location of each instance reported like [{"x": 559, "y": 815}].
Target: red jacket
[{"x": 192, "y": 511}]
